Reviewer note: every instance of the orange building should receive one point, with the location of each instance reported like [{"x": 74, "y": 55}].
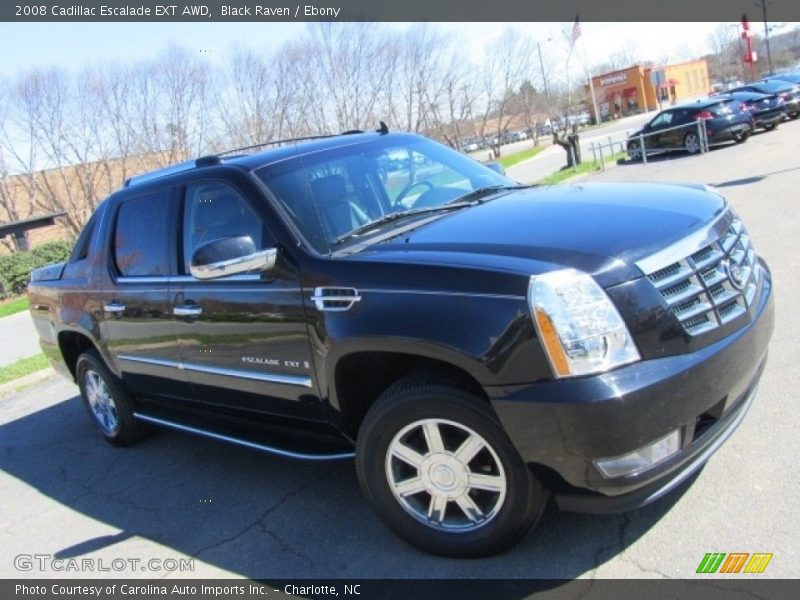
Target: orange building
[{"x": 631, "y": 91}]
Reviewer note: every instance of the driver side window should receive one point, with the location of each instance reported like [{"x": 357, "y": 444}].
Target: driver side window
[
  {"x": 214, "y": 211},
  {"x": 662, "y": 120}
]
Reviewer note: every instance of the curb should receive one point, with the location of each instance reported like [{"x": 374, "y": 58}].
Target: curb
[{"x": 16, "y": 385}]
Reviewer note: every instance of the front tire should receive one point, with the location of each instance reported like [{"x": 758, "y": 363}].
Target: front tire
[
  {"x": 634, "y": 151},
  {"x": 440, "y": 471},
  {"x": 741, "y": 137},
  {"x": 107, "y": 402}
]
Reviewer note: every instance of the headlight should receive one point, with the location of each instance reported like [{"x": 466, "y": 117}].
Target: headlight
[{"x": 579, "y": 327}]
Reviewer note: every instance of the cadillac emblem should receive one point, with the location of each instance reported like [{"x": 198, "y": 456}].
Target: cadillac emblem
[{"x": 737, "y": 274}]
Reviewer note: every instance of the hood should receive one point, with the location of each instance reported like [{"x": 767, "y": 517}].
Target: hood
[{"x": 601, "y": 229}]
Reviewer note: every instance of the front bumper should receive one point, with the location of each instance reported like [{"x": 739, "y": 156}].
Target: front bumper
[{"x": 565, "y": 425}]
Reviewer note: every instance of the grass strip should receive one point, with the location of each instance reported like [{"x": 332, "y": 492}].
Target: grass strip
[
  {"x": 583, "y": 168},
  {"x": 13, "y": 306},
  {"x": 518, "y": 157},
  {"x": 22, "y": 367}
]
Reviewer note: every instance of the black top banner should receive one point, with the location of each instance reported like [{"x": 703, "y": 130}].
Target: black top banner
[{"x": 401, "y": 10}]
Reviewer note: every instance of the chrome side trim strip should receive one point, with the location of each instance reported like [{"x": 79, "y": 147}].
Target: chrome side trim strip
[
  {"x": 688, "y": 245},
  {"x": 237, "y": 373},
  {"x": 446, "y": 293},
  {"x": 150, "y": 361},
  {"x": 188, "y": 279},
  {"x": 241, "y": 442}
]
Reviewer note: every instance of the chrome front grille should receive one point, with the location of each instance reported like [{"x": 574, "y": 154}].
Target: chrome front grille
[{"x": 714, "y": 285}]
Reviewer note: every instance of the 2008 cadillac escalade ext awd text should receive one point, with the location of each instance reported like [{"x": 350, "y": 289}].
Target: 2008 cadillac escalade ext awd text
[{"x": 477, "y": 345}]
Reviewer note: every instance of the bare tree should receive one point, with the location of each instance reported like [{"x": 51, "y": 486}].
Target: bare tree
[
  {"x": 449, "y": 107},
  {"x": 505, "y": 67},
  {"x": 723, "y": 64},
  {"x": 419, "y": 61},
  {"x": 184, "y": 86},
  {"x": 352, "y": 66}
]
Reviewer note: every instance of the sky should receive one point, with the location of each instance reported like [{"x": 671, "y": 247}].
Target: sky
[{"x": 24, "y": 46}]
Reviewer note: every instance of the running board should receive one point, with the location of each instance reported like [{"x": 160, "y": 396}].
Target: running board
[{"x": 243, "y": 442}]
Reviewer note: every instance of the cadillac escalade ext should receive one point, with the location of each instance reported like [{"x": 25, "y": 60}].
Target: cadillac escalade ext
[{"x": 477, "y": 345}]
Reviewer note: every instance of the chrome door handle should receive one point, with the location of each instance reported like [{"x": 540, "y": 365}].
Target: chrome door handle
[
  {"x": 187, "y": 310},
  {"x": 114, "y": 308}
]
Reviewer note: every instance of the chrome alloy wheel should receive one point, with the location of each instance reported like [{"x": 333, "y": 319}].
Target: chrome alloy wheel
[
  {"x": 692, "y": 143},
  {"x": 445, "y": 475},
  {"x": 101, "y": 402}
]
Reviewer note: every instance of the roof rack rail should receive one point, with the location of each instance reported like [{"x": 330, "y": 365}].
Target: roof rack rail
[
  {"x": 215, "y": 159},
  {"x": 286, "y": 141},
  {"x": 203, "y": 161}
]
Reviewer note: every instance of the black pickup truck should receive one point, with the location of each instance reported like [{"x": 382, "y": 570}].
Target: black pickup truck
[{"x": 478, "y": 346}]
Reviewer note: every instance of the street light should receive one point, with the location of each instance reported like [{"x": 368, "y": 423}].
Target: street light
[
  {"x": 541, "y": 66},
  {"x": 741, "y": 49},
  {"x": 766, "y": 35}
]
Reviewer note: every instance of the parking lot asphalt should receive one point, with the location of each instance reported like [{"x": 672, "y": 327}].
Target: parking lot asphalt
[{"x": 238, "y": 513}]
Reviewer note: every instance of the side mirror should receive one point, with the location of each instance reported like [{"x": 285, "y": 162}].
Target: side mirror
[
  {"x": 496, "y": 167},
  {"x": 229, "y": 256}
]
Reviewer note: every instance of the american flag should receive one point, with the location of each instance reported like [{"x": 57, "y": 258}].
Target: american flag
[{"x": 576, "y": 30}]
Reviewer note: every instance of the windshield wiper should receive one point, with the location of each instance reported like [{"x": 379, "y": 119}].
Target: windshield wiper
[
  {"x": 479, "y": 193},
  {"x": 395, "y": 216}
]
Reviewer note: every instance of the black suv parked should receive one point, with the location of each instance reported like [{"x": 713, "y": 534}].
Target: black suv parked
[{"x": 476, "y": 345}]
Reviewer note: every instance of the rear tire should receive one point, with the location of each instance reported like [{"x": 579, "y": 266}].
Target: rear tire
[
  {"x": 691, "y": 142},
  {"x": 460, "y": 488},
  {"x": 107, "y": 402},
  {"x": 741, "y": 138},
  {"x": 771, "y": 126}
]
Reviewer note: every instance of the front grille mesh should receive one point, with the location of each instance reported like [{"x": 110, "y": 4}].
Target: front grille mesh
[{"x": 698, "y": 288}]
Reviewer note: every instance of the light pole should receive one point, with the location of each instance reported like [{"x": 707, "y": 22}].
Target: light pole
[
  {"x": 541, "y": 66},
  {"x": 766, "y": 34},
  {"x": 741, "y": 50}
]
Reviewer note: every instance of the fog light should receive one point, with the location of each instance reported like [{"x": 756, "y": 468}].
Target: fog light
[{"x": 642, "y": 459}]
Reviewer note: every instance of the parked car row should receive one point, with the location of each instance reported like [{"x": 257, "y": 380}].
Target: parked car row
[
  {"x": 729, "y": 116},
  {"x": 474, "y": 144}
]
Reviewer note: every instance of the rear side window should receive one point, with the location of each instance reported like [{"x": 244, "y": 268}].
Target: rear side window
[
  {"x": 141, "y": 237},
  {"x": 81, "y": 249}
]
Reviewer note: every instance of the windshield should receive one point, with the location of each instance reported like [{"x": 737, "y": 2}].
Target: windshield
[{"x": 331, "y": 193}]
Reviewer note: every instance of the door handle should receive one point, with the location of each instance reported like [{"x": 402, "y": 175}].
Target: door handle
[
  {"x": 187, "y": 310},
  {"x": 114, "y": 307}
]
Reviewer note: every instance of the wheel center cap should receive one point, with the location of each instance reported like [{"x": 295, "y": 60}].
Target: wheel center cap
[{"x": 444, "y": 475}]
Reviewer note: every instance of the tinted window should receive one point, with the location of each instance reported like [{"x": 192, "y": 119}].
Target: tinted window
[
  {"x": 213, "y": 211},
  {"x": 662, "y": 120},
  {"x": 141, "y": 239},
  {"x": 332, "y": 192},
  {"x": 81, "y": 249}
]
